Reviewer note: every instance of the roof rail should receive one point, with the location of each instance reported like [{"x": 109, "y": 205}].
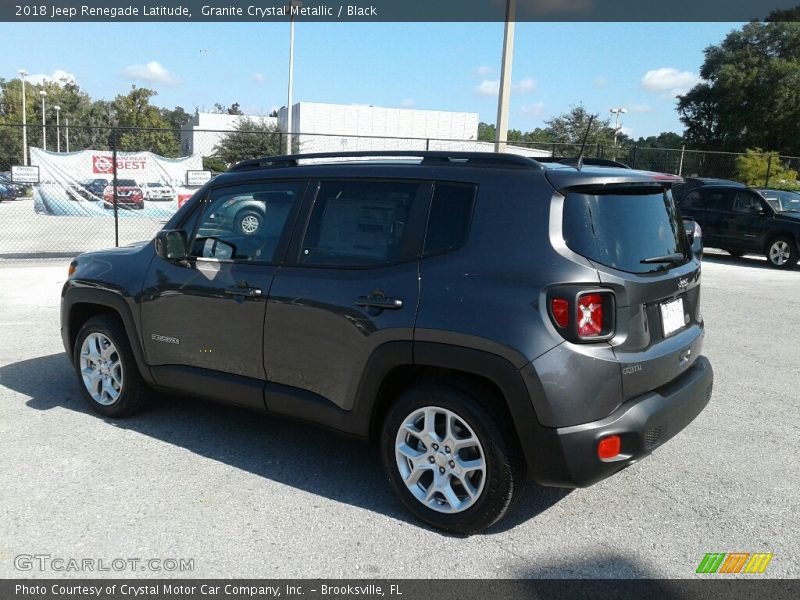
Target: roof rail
[
  {"x": 592, "y": 162},
  {"x": 482, "y": 159}
]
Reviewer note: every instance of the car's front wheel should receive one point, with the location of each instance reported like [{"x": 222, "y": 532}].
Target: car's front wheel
[
  {"x": 452, "y": 461},
  {"x": 104, "y": 361},
  {"x": 782, "y": 253}
]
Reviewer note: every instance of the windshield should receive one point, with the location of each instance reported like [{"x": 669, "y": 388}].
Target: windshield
[
  {"x": 626, "y": 227},
  {"x": 781, "y": 200}
]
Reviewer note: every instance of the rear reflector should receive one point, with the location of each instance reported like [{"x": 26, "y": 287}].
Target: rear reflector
[
  {"x": 560, "y": 310},
  {"x": 609, "y": 447}
]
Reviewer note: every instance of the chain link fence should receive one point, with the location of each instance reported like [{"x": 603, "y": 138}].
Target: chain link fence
[{"x": 99, "y": 187}]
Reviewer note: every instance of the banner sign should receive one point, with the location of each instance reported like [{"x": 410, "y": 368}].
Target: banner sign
[{"x": 81, "y": 183}]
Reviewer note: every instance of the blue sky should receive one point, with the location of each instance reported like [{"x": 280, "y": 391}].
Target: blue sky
[{"x": 441, "y": 66}]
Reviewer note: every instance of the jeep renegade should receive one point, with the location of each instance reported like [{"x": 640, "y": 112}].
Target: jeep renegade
[{"x": 483, "y": 318}]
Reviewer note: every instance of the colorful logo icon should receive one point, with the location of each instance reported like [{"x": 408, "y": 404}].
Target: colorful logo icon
[{"x": 736, "y": 562}]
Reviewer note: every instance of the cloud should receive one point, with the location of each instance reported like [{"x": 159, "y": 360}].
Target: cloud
[
  {"x": 60, "y": 77},
  {"x": 532, "y": 110},
  {"x": 627, "y": 131},
  {"x": 669, "y": 81},
  {"x": 640, "y": 108},
  {"x": 259, "y": 78},
  {"x": 600, "y": 81},
  {"x": 483, "y": 71},
  {"x": 153, "y": 73},
  {"x": 526, "y": 85},
  {"x": 408, "y": 103},
  {"x": 491, "y": 87},
  {"x": 488, "y": 87}
]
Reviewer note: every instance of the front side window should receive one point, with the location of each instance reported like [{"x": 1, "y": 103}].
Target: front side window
[
  {"x": 746, "y": 203},
  {"x": 245, "y": 222},
  {"x": 360, "y": 224}
]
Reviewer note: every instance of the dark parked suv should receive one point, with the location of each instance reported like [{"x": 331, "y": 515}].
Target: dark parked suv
[
  {"x": 746, "y": 221},
  {"x": 483, "y": 318}
]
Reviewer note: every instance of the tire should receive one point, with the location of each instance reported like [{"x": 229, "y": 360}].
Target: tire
[
  {"x": 736, "y": 253},
  {"x": 492, "y": 491},
  {"x": 249, "y": 221},
  {"x": 782, "y": 252},
  {"x": 118, "y": 374}
]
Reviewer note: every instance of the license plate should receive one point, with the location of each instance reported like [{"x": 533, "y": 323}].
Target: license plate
[{"x": 672, "y": 316}]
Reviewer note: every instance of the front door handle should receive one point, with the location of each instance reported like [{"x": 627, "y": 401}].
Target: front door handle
[
  {"x": 244, "y": 291},
  {"x": 379, "y": 302}
]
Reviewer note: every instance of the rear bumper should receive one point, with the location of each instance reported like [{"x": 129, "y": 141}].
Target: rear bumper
[{"x": 567, "y": 457}]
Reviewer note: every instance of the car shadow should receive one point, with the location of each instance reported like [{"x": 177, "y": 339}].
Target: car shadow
[
  {"x": 751, "y": 261},
  {"x": 288, "y": 452}
]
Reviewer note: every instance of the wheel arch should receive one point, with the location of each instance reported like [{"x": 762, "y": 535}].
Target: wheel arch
[
  {"x": 81, "y": 304},
  {"x": 773, "y": 235},
  {"x": 475, "y": 372}
]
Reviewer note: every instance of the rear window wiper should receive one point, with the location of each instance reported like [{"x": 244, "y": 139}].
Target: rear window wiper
[{"x": 667, "y": 258}]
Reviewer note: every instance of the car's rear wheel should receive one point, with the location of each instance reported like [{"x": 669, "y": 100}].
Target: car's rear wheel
[
  {"x": 248, "y": 221},
  {"x": 104, "y": 361},
  {"x": 782, "y": 253},
  {"x": 453, "y": 463}
]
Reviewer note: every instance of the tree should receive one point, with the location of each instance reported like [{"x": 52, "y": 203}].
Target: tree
[
  {"x": 750, "y": 96},
  {"x": 570, "y": 128},
  {"x": 149, "y": 130},
  {"x": 486, "y": 132},
  {"x": 753, "y": 166},
  {"x": 666, "y": 139},
  {"x": 251, "y": 138}
]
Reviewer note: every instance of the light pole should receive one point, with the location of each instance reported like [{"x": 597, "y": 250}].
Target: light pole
[
  {"x": 23, "y": 73},
  {"x": 66, "y": 131},
  {"x": 617, "y": 112},
  {"x": 289, "y": 120},
  {"x": 58, "y": 127},
  {"x": 501, "y": 131},
  {"x": 43, "y": 94}
]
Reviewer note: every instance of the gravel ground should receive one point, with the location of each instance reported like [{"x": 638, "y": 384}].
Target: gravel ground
[{"x": 249, "y": 496}]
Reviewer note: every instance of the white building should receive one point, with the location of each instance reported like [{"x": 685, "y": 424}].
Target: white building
[
  {"x": 204, "y": 132},
  {"x": 321, "y": 127}
]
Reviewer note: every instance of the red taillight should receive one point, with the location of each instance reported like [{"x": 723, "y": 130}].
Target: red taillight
[
  {"x": 609, "y": 447},
  {"x": 589, "y": 315},
  {"x": 560, "y": 310}
]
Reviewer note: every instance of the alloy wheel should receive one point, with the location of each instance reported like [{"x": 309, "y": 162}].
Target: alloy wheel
[
  {"x": 440, "y": 459},
  {"x": 101, "y": 369}
]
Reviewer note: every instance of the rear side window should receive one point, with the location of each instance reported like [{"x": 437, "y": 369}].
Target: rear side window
[
  {"x": 360, "y": 224},
  {"x": 450, "y": 217},
  {"x": 623, "y": 228},
  {"x": 718, "y": 199}
]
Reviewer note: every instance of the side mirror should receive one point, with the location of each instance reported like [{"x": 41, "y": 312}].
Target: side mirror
[
  {"x": 695, "y": 236},
  {"x": 171, "y": 244}
]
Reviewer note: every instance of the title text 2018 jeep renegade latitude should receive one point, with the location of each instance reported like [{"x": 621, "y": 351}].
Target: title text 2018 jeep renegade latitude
[{"x": 482, "y": 317}]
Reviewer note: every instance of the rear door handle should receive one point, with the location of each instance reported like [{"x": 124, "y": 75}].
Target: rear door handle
[
  {"x": 243, "y": 291},
  {"x": 379, "y": 302}
]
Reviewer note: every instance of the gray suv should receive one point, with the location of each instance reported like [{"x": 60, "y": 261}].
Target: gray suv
[{"x": 482, "y": 318}]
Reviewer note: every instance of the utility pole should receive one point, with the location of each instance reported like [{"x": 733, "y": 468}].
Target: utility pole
[
  {"x": 66, "y": 131},
  {"x": 44, "y": 122},
  {"x": 289, "y": 119},
  {"x": 23, "y": 73},
  {"x": 58, "y": 128},
  {"x": 501, "y": 131}
]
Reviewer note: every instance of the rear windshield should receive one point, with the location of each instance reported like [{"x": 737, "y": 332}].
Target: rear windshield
[{"x": 625, "y": 227}]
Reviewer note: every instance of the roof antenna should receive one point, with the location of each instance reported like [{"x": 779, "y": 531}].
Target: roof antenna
[{"x": 579, "y": 166}]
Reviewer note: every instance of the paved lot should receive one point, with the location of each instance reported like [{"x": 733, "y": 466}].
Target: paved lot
[
  {"x": 248, "y": 496},
  {"x": 25, "y": 233}
]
